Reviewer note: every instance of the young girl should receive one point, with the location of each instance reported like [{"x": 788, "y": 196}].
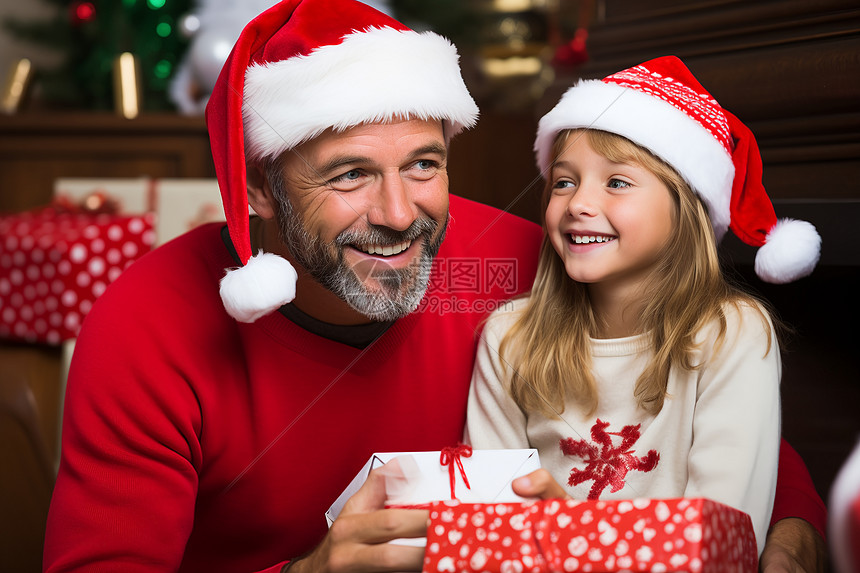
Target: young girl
[{"x": 633, "y": 366}]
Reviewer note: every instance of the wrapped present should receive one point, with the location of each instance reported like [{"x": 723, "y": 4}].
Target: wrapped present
[
  {"x": 120, "y": 196},
  {"x": 179, "y": 204},
  {"x": 416, "y": 479},
  {"x": 55, "y": 261},
  {"x": 696, "y": 535},
  {"x": 182, "y": 204}
]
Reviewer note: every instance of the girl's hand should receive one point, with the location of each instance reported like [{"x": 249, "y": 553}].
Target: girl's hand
[{"x": 539, "y": 484}]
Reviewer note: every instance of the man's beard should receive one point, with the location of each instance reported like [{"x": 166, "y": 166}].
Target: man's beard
[{"x": 399, "y": 290}]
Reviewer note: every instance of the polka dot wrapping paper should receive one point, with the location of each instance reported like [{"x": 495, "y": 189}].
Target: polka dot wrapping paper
[
  {"x": 54, "y": 264},
  {"x": 696, "y": 535}
]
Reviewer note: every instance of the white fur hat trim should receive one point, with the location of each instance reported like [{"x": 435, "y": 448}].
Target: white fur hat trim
[
  {"x": 376, "y": 75},
  {"x": 263, "y": 285}
]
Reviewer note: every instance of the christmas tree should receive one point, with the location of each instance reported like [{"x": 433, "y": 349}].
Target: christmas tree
[{"x": 92, "y": 33}]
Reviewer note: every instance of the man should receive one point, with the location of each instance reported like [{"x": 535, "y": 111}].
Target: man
[{"x": 207, "y": 433}]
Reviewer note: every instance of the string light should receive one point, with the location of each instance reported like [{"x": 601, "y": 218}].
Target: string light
[
  {"x": 82, "y": 12},
  {"x": 162, "y": 69},
  {"x": 163, "y": 29}
]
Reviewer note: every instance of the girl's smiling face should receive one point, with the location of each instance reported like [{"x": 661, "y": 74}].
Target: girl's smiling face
[{"x": 607, "y": 221}]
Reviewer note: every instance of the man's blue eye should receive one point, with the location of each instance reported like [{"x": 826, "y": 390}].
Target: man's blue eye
[
  {"x": 425, "y": 164},
  {"x": 347, "y": 178}
]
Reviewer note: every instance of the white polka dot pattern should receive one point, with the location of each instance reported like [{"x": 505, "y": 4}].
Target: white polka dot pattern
[
  {"x": 53, "y": 265},
  {"x": 694, "y": 535}
]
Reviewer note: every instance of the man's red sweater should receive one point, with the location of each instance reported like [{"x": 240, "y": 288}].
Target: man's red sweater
[{"x": 197, "y": 443}]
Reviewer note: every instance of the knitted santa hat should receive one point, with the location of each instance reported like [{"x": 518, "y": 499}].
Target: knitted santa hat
[
  {"x": 660, "y": 106},
  {"x": 302, "y": 67}
]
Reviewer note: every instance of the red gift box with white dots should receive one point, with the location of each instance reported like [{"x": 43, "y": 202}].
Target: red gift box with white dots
[
  {"x": 696, "y": 535},
  {"x": 54, "y": 264}
]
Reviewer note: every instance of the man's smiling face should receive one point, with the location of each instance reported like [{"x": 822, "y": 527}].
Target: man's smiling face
[{"x": 364, "y": 212}]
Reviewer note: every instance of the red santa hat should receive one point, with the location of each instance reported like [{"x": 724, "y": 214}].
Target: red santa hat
[
  {"x": 302, "y": 67},
  {"x": 660, "y": 106}
]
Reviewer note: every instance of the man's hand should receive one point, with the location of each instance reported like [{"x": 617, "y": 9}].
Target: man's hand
[
  {"x": 539, "y": 484},
  {"x": 357, "y": 539},
  {"x": 793, "y": 546}
]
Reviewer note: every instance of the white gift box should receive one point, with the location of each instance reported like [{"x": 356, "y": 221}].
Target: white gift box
[{"x": 420, "y": 478}]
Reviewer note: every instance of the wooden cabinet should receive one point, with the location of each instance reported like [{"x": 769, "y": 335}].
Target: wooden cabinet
[{"x": 37, "y": 148}]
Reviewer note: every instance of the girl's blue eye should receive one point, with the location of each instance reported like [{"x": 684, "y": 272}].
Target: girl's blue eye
[{"x": 618, "y": 184}]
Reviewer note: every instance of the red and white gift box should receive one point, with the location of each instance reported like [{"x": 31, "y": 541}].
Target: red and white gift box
[
  {"x": 55, "y": 262},
  {"x": 696, "y": 535}
]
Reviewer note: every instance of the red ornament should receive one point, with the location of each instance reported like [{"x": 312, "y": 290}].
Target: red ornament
[
  {"x": 573, "y": 53},
  {"x": 81, "y": 12}
]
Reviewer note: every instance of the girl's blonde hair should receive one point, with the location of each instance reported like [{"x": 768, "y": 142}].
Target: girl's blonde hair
[{"x": 547, "y": 352}]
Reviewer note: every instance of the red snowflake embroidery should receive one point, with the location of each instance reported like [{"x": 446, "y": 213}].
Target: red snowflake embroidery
[{"x": 606, "y": 464}]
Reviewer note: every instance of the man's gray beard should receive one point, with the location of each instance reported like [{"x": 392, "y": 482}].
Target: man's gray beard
[{"x": 401, "y": 290}]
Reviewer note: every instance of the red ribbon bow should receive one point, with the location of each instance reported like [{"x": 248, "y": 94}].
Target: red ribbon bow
[{"x": 451, "y": 455}]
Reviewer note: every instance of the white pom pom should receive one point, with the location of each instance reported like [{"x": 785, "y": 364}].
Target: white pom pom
[
  {"x": 790, "y": 252},
  {"x": 264, "y": 284}
]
